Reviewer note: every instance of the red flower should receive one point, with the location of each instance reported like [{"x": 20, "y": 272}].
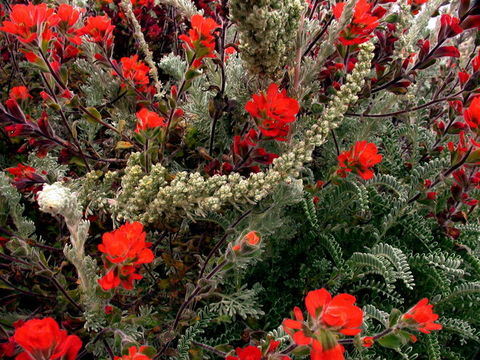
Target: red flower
[
  {"x": 333, "y": 353},
  {"x": 127, "y": 243},
  {"x": 327, "y": 316},
  {"x": 200, "y": 38},
  {"x": 21, "y": 171},
  {"x": 339, "y": 313},
  {"x": 363, "y": 23},
  {"x": 134, "y": 354},
  {"x": 42, "y": 339},
  {"x": 148, "y": 119},
  {"x": 431, "y": 195},
  {"x": 247, "y": 353},
  {"x": 421, "y": 317},
  {"x": 252, "y": 239},
  {"x": 449, "y": 27},
  {"x": 111, "y": 280},
  {"x": 367, "y": 341},
  {"x": 472, "y": 113},
  {"x": 30, "y": 56},
  {"x": 135, "y": 71},
  {"x": 125, "y": 249},
  {"x": 360, "y": 159},
  {"x": 19, "y": 93},
  {"x": 30, "y": 22},
  {"x": 463, "y": 77},
  {"x": 69, "y": 16},
  {"x": 275, "y": 110},
  {"x": 99, "y": 29},
  {"x": 26, "y": 178},
  {"x": 14, "y": 130},
  {"x": 7, "y": 349}
]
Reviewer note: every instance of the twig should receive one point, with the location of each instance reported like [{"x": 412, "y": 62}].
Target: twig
[
  {"x": 222, "y": 240},
  {"x": 210, "y": 349}
]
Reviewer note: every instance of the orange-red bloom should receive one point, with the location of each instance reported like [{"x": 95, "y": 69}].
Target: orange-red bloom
[
  {"x": 127, "y": 244},
  {"x": 99, "y": 30},
  {"x": 125, "y": 249},
  {"x": 252, "y": 239},
  {"x": 42, "y": 339},
  {"x": 147, "y": 119},
  {"x": 274, "y": 110},
  {"x": 363, "y": 23},
  {"x": 421, "y": 317},
  {"x": 68, "y": 18},
  {"x": 327, "y": 316},
  {"x": 30, "y": 22},
  {"x": 134, "y": 354},
  {"x": 368, "y": 341},
  {"x": 360, "y": 159},
  {"x": 200, "y": 38},
  {"x": 19, "y": 93},
  {"x": 333, "y": 353},
  {"x": 135, "y": 71},
  {"x": 247, "y": 353},
  {"x": 472, "y": 113},
  {"x": 254, "y": 353}
]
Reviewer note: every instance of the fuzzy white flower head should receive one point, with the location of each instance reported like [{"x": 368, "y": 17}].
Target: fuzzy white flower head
[{"x": 53, "y": 199}]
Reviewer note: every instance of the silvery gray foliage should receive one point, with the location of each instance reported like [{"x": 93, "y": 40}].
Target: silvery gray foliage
[
  {"x": 243, "y": 303},
  {"x": 10, "y": 206},
  {"x": 57, "y": 199}
]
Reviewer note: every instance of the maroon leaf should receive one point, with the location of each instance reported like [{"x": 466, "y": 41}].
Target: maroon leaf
[{"x": 446, "y": 51}]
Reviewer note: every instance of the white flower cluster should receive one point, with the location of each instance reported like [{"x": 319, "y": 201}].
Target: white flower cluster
[
  {"x": 151, "y": 197},
  {"x": 54, "y": 199}
]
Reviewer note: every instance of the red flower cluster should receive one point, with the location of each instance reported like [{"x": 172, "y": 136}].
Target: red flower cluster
[
  {"x": 68, "y": 18},
  {"x": 42, "y": 339},
  {"x": 421, "y": 317},
  {"x": 19, "y": 93},
  {"x": 99, "y": 29},
  {"x": 449, "y": 27},
  {"x": 31, "y": 22},
  {"x": 248, "y": 353},
  {"x": 274, "y": 110},
  {"x": 134, "y": 354},
  {"x": 136, "y": 71},
  {"x": 147, "y": 119},
  {"x": 254, "y": 353},
  {"x": 200, "y": 38},
  {"x": 251, "y": 239},
  {"x": 363, "y": 23},
  {"x": 125, "y": 249},
  {"x": 26, "y": 178},
  {"x": 360, "y": 159},
  {"x": 328, "y": 316}
]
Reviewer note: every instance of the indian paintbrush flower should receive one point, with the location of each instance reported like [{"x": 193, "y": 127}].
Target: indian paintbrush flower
[{"x": 274, "y": 111}]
